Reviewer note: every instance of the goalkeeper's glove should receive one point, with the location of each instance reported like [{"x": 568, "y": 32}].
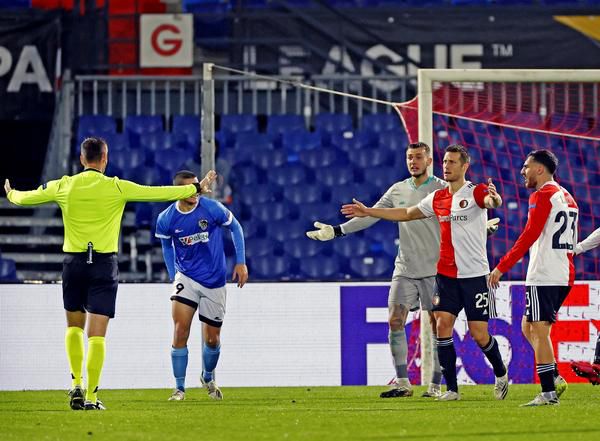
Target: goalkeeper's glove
[
  {"x": 325, "y": 232},
  {"x": 492, "y": 225}
]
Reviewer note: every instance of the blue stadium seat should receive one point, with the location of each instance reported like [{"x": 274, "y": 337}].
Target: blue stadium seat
[
  {"x": 348, "y": 247},
  {"x": 390, "y": 248},
  {"x": 172, "y": 160},
  {"x": 126, "y": 161},
  {"x": 259, "y": 194},
  {"x": 303, "y": 248},
  {"x": 244, "y": 175},
  {"x": 322, "y": 212},
  {"x": 270, "y": 211},
  {"x": 303, "y": 193},
  {"x": 8, "y": 270},
  {"x": 270, "y": 267},
  {"x": 384, "y": 177},
  {"x": 146, "y": 214},
  {"x": 239, "y": 123},
  {"x": 237, "y": 156},
  {"x": 288, "y": 174},
  {"x": 269, "y": 159},
  {"x": 381, "y": 122},
  {"x": 372, "y": 267},
  {"x": 189, "y": 125},
  {"x": 354, "y": 141},
  {"x": 393, "y": 140},
  {"x": 253, "y": 142},
  {"x": 258, "y": 247},
  {"x": 320, "y": 268},
  {"x": 301, "y": 140},
  {"x": 285, "y": 230},
  {"x": 331, "y": 123},
  {"x": 156, "y": 141},
  {"x": 335, "y": 175},
  {"x": 143, "y": 124},
  {"x": 366, "y": 193},
  {"x": 280, "y": 125},
  {"x": 382, "y": 231},
  {"x": 366, "y": 158},
  {"x": 147, "y": 175},
  {"x": 116, "y": 141},
  {"x": 322, "y": 157},
  {"x": 94, "y": 125}
]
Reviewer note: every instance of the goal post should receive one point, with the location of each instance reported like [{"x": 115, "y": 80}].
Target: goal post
[{"x": 502, "y": 114}]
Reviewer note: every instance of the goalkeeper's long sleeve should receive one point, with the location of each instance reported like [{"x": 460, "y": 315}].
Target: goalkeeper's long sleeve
[{"x": 590, "y": 242}]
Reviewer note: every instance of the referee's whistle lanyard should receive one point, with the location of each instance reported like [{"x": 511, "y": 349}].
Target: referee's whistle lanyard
[{"x": 90, "y": 249}]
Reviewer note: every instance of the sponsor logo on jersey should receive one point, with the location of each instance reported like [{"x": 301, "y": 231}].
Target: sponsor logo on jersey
[
  {"x": 463, "y": 203},
  {"x": 203, "y": 224},
  {"x": 453, "y": 218},
  {"x": 194, "y": 238}
]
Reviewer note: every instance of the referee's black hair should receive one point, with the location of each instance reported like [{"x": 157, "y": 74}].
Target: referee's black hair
[
  {"x": 546, "y": 158},
  {"x": 92, "y": 147},
  {"x": 181, "y": 175}
]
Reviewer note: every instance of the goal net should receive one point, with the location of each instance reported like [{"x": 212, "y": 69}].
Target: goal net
[{"x": 500, "y": 116}]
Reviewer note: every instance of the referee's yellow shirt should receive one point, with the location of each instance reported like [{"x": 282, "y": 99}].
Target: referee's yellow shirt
[{"x": 92, "y": 206}]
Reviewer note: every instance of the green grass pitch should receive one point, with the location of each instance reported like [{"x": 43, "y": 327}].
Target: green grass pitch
[{"x": 302, "y": 413}]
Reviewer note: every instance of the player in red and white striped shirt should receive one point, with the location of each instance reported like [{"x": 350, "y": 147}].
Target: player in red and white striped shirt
[
  {"x": 550, "y": 235},
  {"x": 462, "y": 269}
]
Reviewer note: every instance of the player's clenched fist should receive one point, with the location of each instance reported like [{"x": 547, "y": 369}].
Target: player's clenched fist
[{"x": 323, "y": 232}]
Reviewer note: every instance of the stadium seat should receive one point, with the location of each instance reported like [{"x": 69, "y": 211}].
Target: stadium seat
[
  {"x": 393, "y": 140},
  {"x": 301, "y": 140},
  {"x": 335, "y": 175},
  {"x": 303, "y": 248},
  {"x": 382, "y": 231},
  {"x": 366, "y": 158},
  {"x": 258, "y": 247},
  {"x": 259, "y": 194},
  {"x": 269, "y": 211},
  {"x": 322, "y": 212},
  {"x": 8, "y": 270},
  {"x": 303, "y": 193},
  {"x": 239, "y": 123},
  {"x": 280, "y": 125},
  {"x": 372, "y": 267},
  {"x": 253, "y": 142},
  {"x": 320, "y": 268},
  {"x": 171, "y": 160},
  {"x": 380, "y": 122},
  {"x": 322, "y": 157},
  {"x": 244, "y": 175},
  {"x": 365, "y": 193},
  {"x": 384, "y": 177},
  {"x": 390, "y": 247},
  {"x": 126, "y": 161},
  {"x": 116, "y": 141},
  {"x": 94, "y": 125},
  {"x": 285, "y": 230},
  {"x": 143, "y": 124},
  {"x": 288, "y": 174},
  {"x": 270, "y": 267},
  {"x": 348, "y": 247},
  {"x": 189, "y": 125},
  {"x": 352, "y": 142},
  {"x": 331, "y": 123},
  {"x": 269, "y": 159},
  {"x": 148, "y": 175},
  {"x": 156, "y": 141}
]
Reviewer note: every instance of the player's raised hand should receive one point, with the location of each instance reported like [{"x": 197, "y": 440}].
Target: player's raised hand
[
  {"x": 493, "y": 193},
  {"x": 492, "y": 225},
  {"x": 323, "y": 232},
  {"x": 207, "y": 181},
  {"x": 240, "y": 273},
  {"x": 7, "y": 187},
  {"x": 356, "y": 209}
]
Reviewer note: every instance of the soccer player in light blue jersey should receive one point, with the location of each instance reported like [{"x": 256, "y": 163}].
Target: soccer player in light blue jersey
[{"x": 192, "y": 243}]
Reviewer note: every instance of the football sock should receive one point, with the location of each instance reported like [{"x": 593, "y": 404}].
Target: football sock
[
  {"x": 399, "y": 348},
  {"x": 95, "y": 361},
  {"x": 447, "y": 356},
  {"x": 210, "y": 357},
  {"x": 179, "y": 361},
  {"x": 546, "y": 374},
  {"x": 75, "y": 349},
  {"x": 597, "y": 354},
  {"x": 556, "y": 374},
  {"x": 492, "y": 353},
  {"x": 436, "y": 377}
]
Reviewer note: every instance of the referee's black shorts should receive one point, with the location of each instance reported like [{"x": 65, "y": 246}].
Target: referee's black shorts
[{"x": 90, "y": 287}]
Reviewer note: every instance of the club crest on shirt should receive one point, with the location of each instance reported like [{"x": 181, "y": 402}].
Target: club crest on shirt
[
  {"x": 203, "y": 224},
  {"x": 463, "y": 203}
]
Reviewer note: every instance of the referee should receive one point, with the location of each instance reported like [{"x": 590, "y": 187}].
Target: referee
[{"x": 92, "y": 206}]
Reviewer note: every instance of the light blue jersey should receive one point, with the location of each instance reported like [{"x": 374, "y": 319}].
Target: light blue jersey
[{"x": 197, "y": 240}]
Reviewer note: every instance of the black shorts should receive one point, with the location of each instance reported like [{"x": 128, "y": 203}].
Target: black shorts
[
  {"x": 543, "y": 302},
  {"x": 90, "y": 287},
  {"x": 471, "y": 294}
]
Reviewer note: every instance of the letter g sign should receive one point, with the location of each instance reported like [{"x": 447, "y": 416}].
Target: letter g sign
[
  {"x": 162, "y": 41},
  {"x": 166, "y": 40}
]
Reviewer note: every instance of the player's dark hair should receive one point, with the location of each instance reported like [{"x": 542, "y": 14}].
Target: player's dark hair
[
  {"x": 91, "y": 148},
  {"x": 546, "y": 158},
  {"x": 457, "y": 148},
  {"x": 419, "y": 145},
  {"x": 181, "y": 175}
]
